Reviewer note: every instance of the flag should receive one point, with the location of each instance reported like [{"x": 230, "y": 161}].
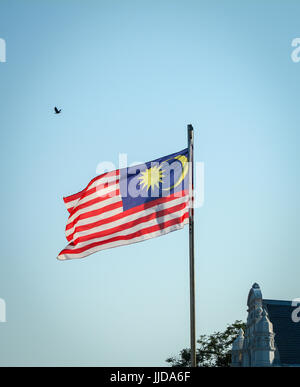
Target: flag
[{"x": 128, "y": 205}]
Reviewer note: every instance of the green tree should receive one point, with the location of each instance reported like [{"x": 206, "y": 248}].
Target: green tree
[{"x": 213, "y": 350}]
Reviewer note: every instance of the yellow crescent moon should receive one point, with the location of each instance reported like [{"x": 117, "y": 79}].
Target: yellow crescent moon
[{"x": 184, "y": 164}]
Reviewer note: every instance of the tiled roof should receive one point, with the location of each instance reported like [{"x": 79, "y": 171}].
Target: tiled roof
[{"x": 287, "y": 332}]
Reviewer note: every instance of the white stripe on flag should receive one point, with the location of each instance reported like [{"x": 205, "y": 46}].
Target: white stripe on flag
[
  {"x": 152, "y": 210},
  {"x": 123, "y": 242},
  {"x": 150, "y": 223}
]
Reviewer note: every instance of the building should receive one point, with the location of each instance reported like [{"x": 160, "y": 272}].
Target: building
[{"x": 272, "y": 335}]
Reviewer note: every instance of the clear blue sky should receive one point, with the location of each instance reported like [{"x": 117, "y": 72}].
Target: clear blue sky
[{"x": 129, "y": 76}]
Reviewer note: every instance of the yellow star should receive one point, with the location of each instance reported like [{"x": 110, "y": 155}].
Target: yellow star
[{"x": 151, "y": 177}]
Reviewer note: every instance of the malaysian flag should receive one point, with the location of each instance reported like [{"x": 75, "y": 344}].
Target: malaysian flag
[{"x": 128, "y": 205}]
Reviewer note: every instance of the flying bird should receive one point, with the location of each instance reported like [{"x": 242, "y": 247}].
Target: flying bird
[{"x": 56, "y": 110}]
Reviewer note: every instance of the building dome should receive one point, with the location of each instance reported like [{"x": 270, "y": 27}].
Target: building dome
[{"x": 254, "y": 296}]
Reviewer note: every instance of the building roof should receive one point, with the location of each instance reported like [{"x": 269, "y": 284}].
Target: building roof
[{"x": 287, "y": 332}]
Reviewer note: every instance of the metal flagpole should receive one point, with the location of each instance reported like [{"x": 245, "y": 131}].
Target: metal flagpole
[{"x": 190, "y": 132}]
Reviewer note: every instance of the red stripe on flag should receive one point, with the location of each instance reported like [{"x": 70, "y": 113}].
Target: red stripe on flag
[
  {"x": 133, "y": 210},
  {"x": 89, "y": 214},
  {"x": 94, "y": 201},
  {"x": 144, "y": 231},
  {"x": 78, "y": 194},
  {"x": 130, "y": 224}
]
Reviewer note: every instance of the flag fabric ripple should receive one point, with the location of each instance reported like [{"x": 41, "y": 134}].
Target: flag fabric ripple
[{"x": 128, "y": 205}]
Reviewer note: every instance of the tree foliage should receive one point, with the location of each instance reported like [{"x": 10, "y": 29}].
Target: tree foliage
[{"x": 213, "y": 350}]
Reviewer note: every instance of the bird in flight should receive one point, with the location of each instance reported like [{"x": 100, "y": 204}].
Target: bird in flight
[{"x": 56, "y": 110}]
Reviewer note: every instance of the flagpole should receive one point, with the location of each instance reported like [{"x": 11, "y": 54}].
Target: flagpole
[{"x": 190, "y": 133}]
